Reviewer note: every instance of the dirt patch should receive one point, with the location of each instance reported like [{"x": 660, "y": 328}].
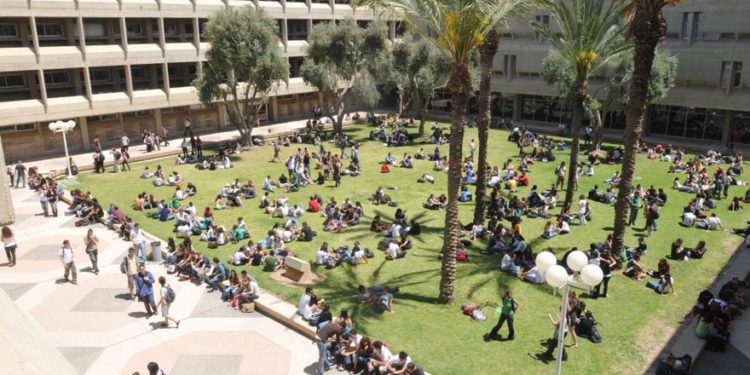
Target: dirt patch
[{"x": 651, "y": 339}]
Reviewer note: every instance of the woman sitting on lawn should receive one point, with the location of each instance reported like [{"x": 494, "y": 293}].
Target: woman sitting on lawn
[
  {"x": 634, "y": 269},
  {"x": 377, "y": 225},
  {"x": 357, "y": 255},
  {"x": 736, "y": 204},
  {"x": 441, "y": 164},
  {"x": 334, "y": 221},
  {"x": 433, "y": 203},
  {"x": 549, "y": 230},
  {"x": 219, "y": 203},
  {"x": 407, "y": 162},
  {"x": 380, "y": 197}
]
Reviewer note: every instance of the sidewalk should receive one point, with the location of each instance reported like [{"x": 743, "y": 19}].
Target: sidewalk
[{"x": 99, "y": 330}]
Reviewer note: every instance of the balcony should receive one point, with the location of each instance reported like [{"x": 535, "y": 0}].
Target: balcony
[
  {"x": 180, "y": 52},
  {"x": 295, "y": 48},
  {"x": 105, "y": 55},
  {"x": 60, "y": 57},
  {"x": 16, "y": 58}
]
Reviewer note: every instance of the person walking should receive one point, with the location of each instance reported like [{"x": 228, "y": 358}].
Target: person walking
[
  {"x": 9, "y": 243},
  {"x": 129, "y": 267},
  {"x": 507, "y": 309},
  {"x": 124, "y": 142},
  {"x": 68, "y": 262},
  {"x": 153, "y": 369},
  {"x": 188, "y": 127},
  {"x": 276, "y": 151},
  {"x": 92, "y": 249},
  {"x": 44, "y": 201},
  {"x": 52, "y": 198},
  {"x": 125, "y": 160},
  {"x": 199, "y": 146},
  {"x": 184, "y": 145},
  {"x": 136, "y": 237},
  {"x": 166, "y": 297},
  {"x": 20, "y": 174},
  {"x": 144, "y": 286}
]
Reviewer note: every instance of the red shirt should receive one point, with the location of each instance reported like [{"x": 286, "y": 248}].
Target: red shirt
[{"x": 314, "y": 205}]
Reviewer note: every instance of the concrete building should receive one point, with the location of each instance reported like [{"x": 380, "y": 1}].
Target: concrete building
[
  {"x": 123, "y": 66},
  {"x": 710, "y": 103}
]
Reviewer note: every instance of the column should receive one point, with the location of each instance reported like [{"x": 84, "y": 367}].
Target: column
[
  {"x": 726, "y": 131},
  {"x": 34, "y": 37},
  {"x": 157, "y": 120},
  {"x": 87, "y": 83},
  {"x": 124, "y": 36},
  {"x": 83, "y": 124},
  {"x": 273, "y": 111},
  {"x": 197, "y": 36},
  {"x": 221, "y": 107},
  {"x": 165, "y": 76},
  {"x": 162, "y": 38},
  {"x": 517, "y": 107},
  {"x": 42, "y": 87},
  {"x": 129, "y": 82},
  {"x": 7, "y": 216}
]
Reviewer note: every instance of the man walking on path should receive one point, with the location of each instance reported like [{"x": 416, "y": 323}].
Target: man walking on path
[
  {"x": 129, "y": 267},
  {"x": 136, "y": 237},
  {"x": 92, "y": 249},
  {"x": 66, "y": 258},
  {"x": 507, "y": 312},
  {"x": 166, "y": 297},
  {"x": 124, "y": 142},
  {"x": 20, "y": 174},
  {"x": 188, "y": 127},
  {"x": 144, "y": 285}
]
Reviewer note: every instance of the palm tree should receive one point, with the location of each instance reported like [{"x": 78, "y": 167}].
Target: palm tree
[
  {"x": 508, "y": 12},
  {"x": 590, "y": 34},
  {"x": 457, "y": 28},
  {"x": 647, "y": 27}
]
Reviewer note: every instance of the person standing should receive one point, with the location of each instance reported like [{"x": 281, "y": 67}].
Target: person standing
[
  {"x": 323, "y": 339},
  {"x": 166, "y": 297},
  {"x": 124, "y": 142},
  {"x": 652, "y": 214},
  {"x": 125, "y": 160},
  {"x": 20, "y": 174},
  {"x": 635, "y": 206},
  {"x": 97, "y": 144},
  {"x": 508, "y": 308},
  {"x": 92, "y": 249},
  {"x": 188, "y": 127},
  {"x": 9, "y": 243},
  {"x": 144, "y": 286},
  {"x": 164, "y": 136},
  {"x": 199, "y": 146},
  {"x": 68, "y": 262},
  {"x": 44, "y": 200},
  {"x": 552, "y": 343},
  {"x": 129, "y": 267},
  {"x": 276, "y": 151},
  {"x": 472, "y": 148},
  {"x": 136, "y": 237},
  {"x": 52, "y": 198}
]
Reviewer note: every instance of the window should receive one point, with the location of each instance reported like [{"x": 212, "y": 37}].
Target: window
[
  {"x": 544, "y": 20},
  {"x": 101, "y": 118},
  {"x": 696, "y": 29},
  {"x": 8, "y": 30},
  {"x": 285, "y": 98},
  {"x": 189, "y": 28},
  {"x": 134, "y": 29},
  {"x": 685, "y": 25},
  {"x": 99, "y": 75},
  {"x": 731, "y": 74},
  {"x": 296, "y": 29},
  {"x": 139, "y": 72},
  {"x": 173, "y": 109},
  {"x": 135, "y": 114},
  {"x": 56, "y": 77},
  {"x": 50, "y": 30},
  {"x": 170, "y": 28},
  {"x": 17, "y": 128},
  {"x": 510, "y": 66},
  {"x": 94, "y": 29},
  {"x": 12, "y": 80}
]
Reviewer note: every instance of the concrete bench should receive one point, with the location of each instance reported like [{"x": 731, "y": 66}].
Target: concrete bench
[{"x": 297, "y": 269}]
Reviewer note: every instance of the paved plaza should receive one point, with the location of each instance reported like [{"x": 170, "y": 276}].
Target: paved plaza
[{"x": 99, "y": 330}]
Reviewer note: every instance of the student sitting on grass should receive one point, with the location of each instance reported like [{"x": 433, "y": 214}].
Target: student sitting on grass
[
  {"x": 394, "y": 251},
  {"x": 549, "y": 230},
  {"x": 711, "y": 223},
  {"x": 426, "y": 177},
  {"x": 377, "y": 225}
]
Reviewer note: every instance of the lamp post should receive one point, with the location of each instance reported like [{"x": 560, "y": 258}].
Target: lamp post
[
  {"x": 557, "y": 277},
  {"x": 64, "y": 127}
]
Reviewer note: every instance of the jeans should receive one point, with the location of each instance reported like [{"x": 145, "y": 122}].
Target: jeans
[
  {"x": 10, "y": 252},
  {"x": 45, "y": 207},
  {"x": 53, "y": 206},
  {"x": 140, "y": 251},
  {"x": 71, "y": 268},
  {"x": 94, "y": 257},
  {"x": 500, "y": 321},
  {"x": 19, "y": 178},
  {"x": 582, "y": 218},
  {"x": 605, "y": 282},
  {"x": 633, "y": 216},
  {"x": 323, "y": 356},
  {"x": 148, "y": 301},
  {"x": 215, "y": 281}
]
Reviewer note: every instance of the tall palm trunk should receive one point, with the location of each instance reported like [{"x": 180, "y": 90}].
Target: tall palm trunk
[
  {"x": 459, "y": 83},
  {"x": 578, "y": 98},
  {"x": 648, "y": 28},
  {"x": 486, "y": 54}
]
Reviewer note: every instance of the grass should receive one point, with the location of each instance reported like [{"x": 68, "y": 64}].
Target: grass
[{"x": 634, "y": 320}]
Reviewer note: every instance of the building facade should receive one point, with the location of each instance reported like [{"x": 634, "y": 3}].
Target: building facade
[
  {"x": 124, "y": 66},
  {"x": 711, "y": 101}
]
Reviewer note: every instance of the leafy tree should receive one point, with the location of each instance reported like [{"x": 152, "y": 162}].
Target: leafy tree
[
  {"x": 414, "y": 69},
  {"x": 338, "y": 56},
  {"x": 590, "y": 34},
  {"x": 508, "y": 11},
  {"x": 647, "y": 27},
  {"x": 244, "y": 64}
]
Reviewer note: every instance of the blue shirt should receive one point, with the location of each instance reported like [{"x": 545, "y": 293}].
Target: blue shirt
[{"x": 144, "y": 284}]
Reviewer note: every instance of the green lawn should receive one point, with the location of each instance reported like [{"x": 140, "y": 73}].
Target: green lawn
[{"x": 634, "y": 320}]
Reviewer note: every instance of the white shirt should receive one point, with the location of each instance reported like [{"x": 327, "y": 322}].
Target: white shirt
[
  {"x": 713, "y": 222},
  {"x": 303, "y": 301},
  {"x": 321, "y": 257},
  {"x": 125, "y": 140},
  {"x": 67, "y": 254},
  {"x": 136, "y": 236},
  {"x": 254, "y": 288},
  {"x": 392, "y": 250},
  {"x": 187, "y": 123}
]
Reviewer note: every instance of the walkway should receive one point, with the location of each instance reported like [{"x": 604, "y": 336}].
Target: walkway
[{"x": 99, "y": 330}]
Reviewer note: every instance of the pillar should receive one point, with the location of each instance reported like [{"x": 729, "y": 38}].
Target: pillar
[
  {"x": 221, "y": 107},
  {"x": 7, "y": 215},
  {"x": 726, "y": 130},
  {"x": 273, "y": 112},
  {"x": 157, "y": 120},
  {"x": 517, "y": 107},
  {"x": 83, "y": 124}
]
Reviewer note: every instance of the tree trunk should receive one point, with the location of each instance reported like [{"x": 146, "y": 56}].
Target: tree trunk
[
  {"x": 649, "y": 28},
  {"x": 486, "y": 54},
  {"x": 459, "y": 84},
  {"x": 578, "y": 98},
  {"x": 422, "y": 114},
  {"x": 338, "y": 125}
]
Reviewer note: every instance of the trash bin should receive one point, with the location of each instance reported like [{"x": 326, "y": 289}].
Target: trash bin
[{"x": 156, "y": 251}]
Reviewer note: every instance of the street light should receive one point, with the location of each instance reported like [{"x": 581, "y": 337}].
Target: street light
[
  {"x": 557, "y": 277},
  {"x": 64, "y": 127}
]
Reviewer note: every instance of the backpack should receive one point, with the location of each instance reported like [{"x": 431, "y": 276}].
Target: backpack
[
  {"x": 468, "y": 308},
  {"x": 124, "y": 265},
  {"x": 170, "y": 294},
  {"x": 478, "y": 315}
]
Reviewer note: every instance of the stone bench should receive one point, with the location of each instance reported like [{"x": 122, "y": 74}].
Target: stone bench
[{"x": 297, "y": 269}]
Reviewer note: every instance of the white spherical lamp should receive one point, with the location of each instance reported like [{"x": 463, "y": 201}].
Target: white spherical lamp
[
  {"x": 71, "y": 124},
  {"x": 592, "y": 275},
  {"x": 545, "y": 260},
  {"x": 576, "y": 260},
  {"x": 556, "y": 276},
  {"x": 53, "y": 126}
]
